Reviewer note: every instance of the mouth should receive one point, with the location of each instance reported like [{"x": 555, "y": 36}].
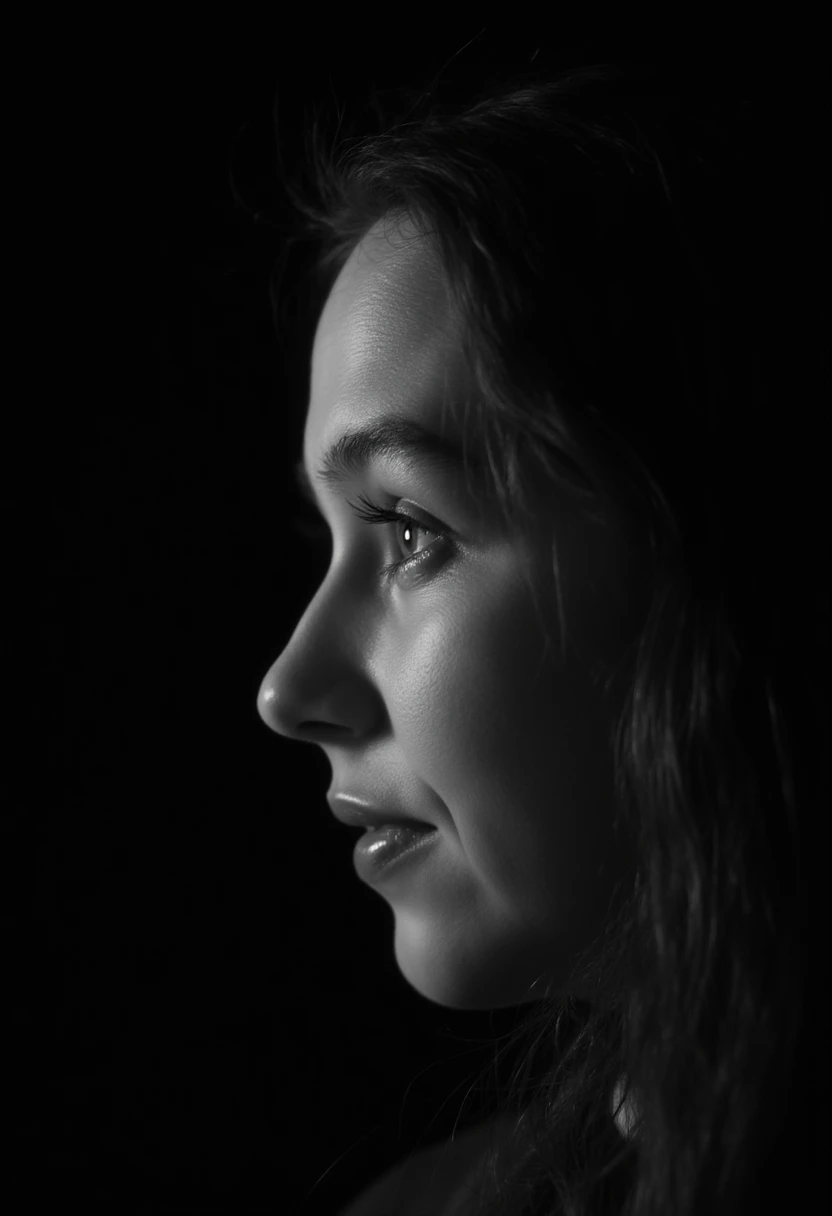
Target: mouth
[
  {"x": 385, "y": 851},
  {"x": 356, "y": 812},
  {"x": 413, "y": 825}
]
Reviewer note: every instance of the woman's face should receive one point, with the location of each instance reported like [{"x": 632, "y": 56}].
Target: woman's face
[{"x": 434, "y": 692}]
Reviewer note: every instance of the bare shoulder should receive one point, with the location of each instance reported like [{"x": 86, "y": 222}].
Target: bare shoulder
[{"x": 431, "y": 1181}]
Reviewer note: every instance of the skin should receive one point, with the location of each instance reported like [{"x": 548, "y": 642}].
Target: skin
[{"x": 437, "y": 691}]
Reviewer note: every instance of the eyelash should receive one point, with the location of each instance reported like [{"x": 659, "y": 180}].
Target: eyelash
[{"x": 373, "y": 513}]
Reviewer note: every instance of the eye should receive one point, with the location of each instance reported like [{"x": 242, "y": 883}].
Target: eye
[
  {"x": 317, "y": 532},
  {"x": 373, "y": 513}
]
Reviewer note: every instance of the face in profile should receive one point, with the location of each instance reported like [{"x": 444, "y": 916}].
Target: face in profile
[{"x": 431, "y": 689}]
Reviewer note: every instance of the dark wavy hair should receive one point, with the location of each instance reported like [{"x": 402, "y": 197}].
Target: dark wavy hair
[{"x": 637, "y": 263}]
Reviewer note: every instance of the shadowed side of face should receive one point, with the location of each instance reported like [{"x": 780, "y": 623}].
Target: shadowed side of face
[{"x": 434, "y": 689}]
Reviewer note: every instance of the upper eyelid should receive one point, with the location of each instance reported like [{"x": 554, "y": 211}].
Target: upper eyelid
[
  {"x": 372, "y": 510},
  {"x": 429, "y": 524},
  {"x": 303, "y": 507}
]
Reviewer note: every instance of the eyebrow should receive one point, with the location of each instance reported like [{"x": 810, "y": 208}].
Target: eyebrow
[{"x": 380, "y": 438}]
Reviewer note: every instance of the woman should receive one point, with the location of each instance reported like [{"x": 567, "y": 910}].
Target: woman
[{"x": 568, "y": 661}]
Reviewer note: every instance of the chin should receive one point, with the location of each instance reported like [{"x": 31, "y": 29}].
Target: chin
[{"x": 456, "y": 979}]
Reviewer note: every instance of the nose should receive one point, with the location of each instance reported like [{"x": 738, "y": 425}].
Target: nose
[
  {"x": 318, "y": 688},
  {"x": 267, "y": 704},
  {"x": 295, "y": 712}
]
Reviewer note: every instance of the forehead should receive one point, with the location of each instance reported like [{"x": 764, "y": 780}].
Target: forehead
[{"x": 386, "y": 341}]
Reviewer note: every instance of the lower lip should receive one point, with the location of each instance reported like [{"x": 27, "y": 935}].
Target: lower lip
[{"x": 378, "y": 851}]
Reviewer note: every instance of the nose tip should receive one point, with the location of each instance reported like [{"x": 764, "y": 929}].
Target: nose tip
[{"x": 265, "y": 701}]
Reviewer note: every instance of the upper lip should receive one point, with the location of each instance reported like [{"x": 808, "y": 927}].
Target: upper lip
[{"x": 358, "y": 811}]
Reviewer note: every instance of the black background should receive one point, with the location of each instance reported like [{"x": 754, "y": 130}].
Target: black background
[{"x": 206, "y": 1015}]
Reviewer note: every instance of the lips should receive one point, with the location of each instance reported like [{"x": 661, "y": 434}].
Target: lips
[{"x": 357, "y": 811}]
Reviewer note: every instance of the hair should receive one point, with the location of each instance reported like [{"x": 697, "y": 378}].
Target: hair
[{"x": 629, "y": 279}]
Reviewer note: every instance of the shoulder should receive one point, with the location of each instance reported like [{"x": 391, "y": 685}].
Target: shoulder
[
  {"x": 431, "y": 1181},
  {"x": 394, "y": 1192}
]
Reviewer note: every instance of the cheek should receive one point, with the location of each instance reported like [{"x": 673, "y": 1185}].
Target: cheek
[
  {"x": 514, "y": 747},
  {"x": 464, "y": 684},
  {"x": 476, "y": 688}
]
